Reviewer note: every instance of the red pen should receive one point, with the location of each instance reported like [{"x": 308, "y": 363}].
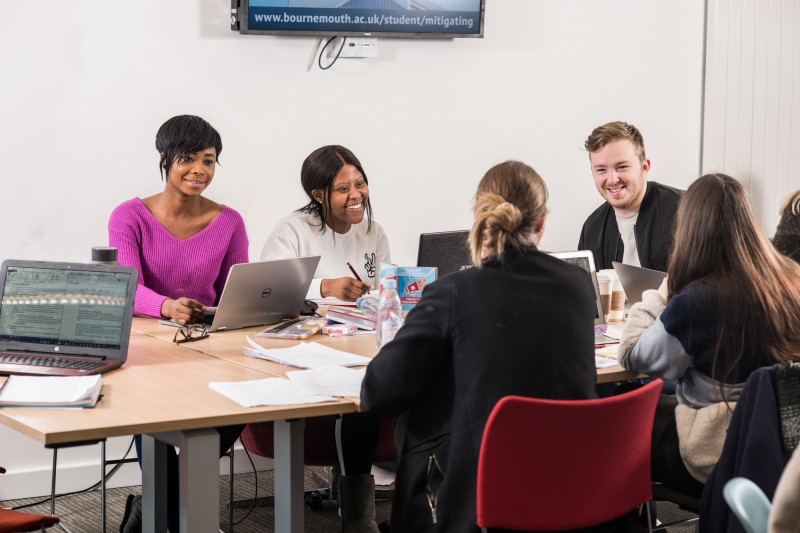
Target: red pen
[{"x": 353, "y": 270}]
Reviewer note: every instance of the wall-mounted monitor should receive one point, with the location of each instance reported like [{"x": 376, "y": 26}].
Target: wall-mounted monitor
[{"x": 360, "y": 18}]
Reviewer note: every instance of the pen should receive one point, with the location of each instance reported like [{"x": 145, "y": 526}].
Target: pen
[{"x": 353, "y": 270}]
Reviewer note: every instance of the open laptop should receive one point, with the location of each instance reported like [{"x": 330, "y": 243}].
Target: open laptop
[
  {"x": 585, "y": 260},
  {"x": 635, "y": 280},
  {"x": 263, "y": 293},
  {"x": 64, "y": 319},
  {"x": 448, "y": 251}
]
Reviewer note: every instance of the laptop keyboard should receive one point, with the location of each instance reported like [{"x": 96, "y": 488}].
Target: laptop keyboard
[{"x": 50, "y": 362}]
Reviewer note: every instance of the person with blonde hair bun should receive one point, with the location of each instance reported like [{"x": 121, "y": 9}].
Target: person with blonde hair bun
[{"x": 520, "y": 323}]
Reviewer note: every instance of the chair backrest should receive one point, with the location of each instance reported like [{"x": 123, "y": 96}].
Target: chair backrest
[
  {"x": 15, "y": 521},
  {"x": 448, "y": 251},
  {"x": 548, "y": 465},
  {"x": 749, "y": 503}
]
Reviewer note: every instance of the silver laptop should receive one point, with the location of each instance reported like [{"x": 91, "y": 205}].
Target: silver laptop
[
  {"x": 585, "y": 260},
  {"x": 448, "y": 251},
  {"x": 635, "y": 280},
  {"x": 263, "y": 293},
  {"x": 67, "y": 319}
]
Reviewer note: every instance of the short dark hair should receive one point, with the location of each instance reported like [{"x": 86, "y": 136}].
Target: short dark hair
[
  {"x": 318, "y": 172},
  {"x": 184, "y": 135}
]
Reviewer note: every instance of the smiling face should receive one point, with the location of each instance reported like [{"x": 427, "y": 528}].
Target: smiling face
[
  {"x": 620, "y": 176},
  {"x": 348, "y": 199},
  {"x": 191, "y": 174}
]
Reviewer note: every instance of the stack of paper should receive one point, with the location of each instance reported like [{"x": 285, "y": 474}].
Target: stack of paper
[
  {"x": 303, "y": 386},
  {"x": 306, "y": 355},
  {"x": 51, "y": 391}
]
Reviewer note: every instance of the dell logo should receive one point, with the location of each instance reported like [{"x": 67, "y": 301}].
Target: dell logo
[{"x": 266, "y": 292}]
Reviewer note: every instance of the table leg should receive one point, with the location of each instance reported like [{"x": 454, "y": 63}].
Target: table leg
[
  {"x": 288, "y": 435},
  {"x": 154, "y": 485},
  {"x": 198, "y": 462}
]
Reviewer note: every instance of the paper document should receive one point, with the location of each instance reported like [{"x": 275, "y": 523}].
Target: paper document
[
  {"x": 333, "y": 380},
  {"x": 269, "y": 391},
  {"x": 51, "y": 391},
  {"x": 306, "y": 355},
  {"x": 608, "y": 351},
  {"x": 603, "y": 362}
]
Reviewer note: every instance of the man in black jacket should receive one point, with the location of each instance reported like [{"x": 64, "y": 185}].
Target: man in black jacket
[{"x": 636, "y": 223}]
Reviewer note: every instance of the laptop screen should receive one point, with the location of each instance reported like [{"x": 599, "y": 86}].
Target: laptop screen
[
  {"x": 585, "y": 260},
  {"x": 66, "y": 308}
]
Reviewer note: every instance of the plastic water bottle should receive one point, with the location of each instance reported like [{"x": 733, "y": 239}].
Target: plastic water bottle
[{"x": 390, "y": 313}]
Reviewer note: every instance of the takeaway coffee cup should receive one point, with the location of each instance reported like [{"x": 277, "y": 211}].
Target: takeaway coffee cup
[
  {"x": 616, "y": 296},
  {"x": 604, "y": 285}
]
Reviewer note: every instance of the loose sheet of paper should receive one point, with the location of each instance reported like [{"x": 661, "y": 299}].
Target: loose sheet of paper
[
  {"x": 306, "y": 355},
  {"x": 332, "y": 380},
  {"x": 268, "y": 391}
]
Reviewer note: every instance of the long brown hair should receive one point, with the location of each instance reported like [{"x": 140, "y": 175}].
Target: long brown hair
[
  {"x": 511, "y": 200},
  {"x": 718, "y": 240}
]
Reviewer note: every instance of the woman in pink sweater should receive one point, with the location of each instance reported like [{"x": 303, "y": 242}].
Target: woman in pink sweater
[{"x": 183, "y": 245}]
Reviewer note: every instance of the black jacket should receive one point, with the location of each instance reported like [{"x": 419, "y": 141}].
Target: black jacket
[
  {"x": 523, "y": 327},
  {"x": 753, "y": 449},
  {"x": 654, "y": 229}
]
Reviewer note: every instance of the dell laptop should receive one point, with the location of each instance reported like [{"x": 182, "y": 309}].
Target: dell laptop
[
  {"x": 263, "y": 293},
  {"x": 67, "y": 319}
]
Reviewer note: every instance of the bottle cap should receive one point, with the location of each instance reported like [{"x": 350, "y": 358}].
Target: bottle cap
[{"x": 389, "y": 284}]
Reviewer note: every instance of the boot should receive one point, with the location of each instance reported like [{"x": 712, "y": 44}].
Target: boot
[
  {"x": 357, "y": 504},
  {"x": 132, "y": 518}
]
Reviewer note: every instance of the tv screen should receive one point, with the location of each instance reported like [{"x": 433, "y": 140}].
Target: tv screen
[{"x": 359, "y": 18}]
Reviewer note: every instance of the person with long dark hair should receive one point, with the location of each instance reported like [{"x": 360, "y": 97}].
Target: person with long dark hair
[
  {"x": 335, "y": 224},
  {"x": 520, "y": 323},
  {"x": 730, "y": 305}
]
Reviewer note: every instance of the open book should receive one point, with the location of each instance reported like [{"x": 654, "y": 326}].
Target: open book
[{"x": 51, "y": 391}]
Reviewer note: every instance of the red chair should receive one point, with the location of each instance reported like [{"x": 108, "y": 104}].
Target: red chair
[
  {"x": 14, "y": 521},
  {"x": 549, "y": 465},
  {"x": 319, "y": 449}
]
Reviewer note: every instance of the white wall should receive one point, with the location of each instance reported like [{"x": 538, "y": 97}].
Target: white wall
[
  {"x": 85, "y": 84},
  {"x": 751, "y": 112}
]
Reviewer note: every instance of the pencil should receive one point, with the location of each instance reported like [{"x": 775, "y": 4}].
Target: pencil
[{"x": 353, "y": 270}]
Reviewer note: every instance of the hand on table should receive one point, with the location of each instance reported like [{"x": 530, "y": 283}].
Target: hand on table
[{"x": 183, "y": 310}]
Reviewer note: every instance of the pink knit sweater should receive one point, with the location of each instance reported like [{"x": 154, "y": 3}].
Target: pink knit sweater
[{"x": 170, "y": 267}]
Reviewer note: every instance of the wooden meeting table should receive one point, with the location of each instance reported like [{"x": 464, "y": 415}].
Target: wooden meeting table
[{"x": 162, "y": 393}]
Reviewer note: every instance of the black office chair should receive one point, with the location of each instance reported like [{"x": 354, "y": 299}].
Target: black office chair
[{"x": 448, "y": 251}]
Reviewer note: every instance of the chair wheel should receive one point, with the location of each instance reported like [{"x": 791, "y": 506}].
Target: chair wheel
[{"x": 313, "y": 501}]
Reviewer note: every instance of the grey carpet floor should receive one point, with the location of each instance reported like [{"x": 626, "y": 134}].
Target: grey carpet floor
[{"x": 81, "y": 513}]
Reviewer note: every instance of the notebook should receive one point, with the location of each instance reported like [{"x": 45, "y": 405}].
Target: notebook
[
  {"x": 448, "y": 251},
  {"x": 635, "y": 280},
  {"x": 64, "y": 319},
  {"x": 585, "y": 260},
  {"x": 263, "y": 293}
]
